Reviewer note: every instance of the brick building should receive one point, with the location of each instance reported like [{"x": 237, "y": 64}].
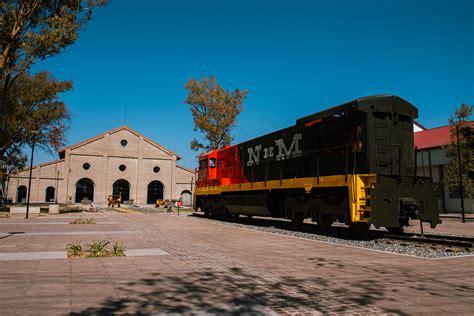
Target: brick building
[{"x": 121, "y": 161}]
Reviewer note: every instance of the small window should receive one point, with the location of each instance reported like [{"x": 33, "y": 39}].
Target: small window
[
  {"x": 123, "y": 142},
  {"x": 122, "y": 167},
  {"x": 156, "y": 169},
  {"x": 86, "y": 166},
  {"x": 212, "y": 163}
]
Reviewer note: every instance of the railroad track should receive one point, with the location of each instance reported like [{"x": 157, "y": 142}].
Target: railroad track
[
  {"x": 446, "y": 240},
  {"x": 341, "y": 231}
]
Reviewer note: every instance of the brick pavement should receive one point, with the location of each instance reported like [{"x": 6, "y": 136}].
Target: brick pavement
[{"x": 217, "y": 269}]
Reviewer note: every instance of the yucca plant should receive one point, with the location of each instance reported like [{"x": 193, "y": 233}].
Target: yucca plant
[
  {"x": 74, "y": 249},
  {"x": 118, "y": 250},
  {"x": 99, "y": 248}
]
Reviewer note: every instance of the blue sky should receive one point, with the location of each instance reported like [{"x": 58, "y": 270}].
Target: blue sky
[{"x": 295, "y": 57}]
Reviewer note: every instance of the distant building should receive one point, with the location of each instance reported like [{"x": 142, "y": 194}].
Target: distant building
[
  {"x": 118, "y": 162},
  {"x": 417, "y": 127},
  {"x": 431, "y": 142}
]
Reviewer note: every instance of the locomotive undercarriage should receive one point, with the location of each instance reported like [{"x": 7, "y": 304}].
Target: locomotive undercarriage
[
  {"x": 323, "y": 206},
  {"x": 359, "y": 201}
]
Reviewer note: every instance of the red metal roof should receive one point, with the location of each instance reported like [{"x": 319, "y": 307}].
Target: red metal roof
[{"x": 434, "y": 137}]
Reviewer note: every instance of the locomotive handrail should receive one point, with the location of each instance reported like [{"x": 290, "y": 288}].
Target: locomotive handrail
[
  {"x": 416, "y": 163},
  {"x": 347, "y": 161}
]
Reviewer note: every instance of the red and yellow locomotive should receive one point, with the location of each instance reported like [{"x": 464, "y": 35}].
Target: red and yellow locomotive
[{"x": 354, "y": 163}]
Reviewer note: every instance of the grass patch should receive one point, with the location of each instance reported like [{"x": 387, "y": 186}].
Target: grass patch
[
  {"x": 124, "y": 210},
  {"x": 95, "y": 249},
  {"x": 189, "y": 210},
  {"x": 70, "y": 209},
  {"x": 83, "y": 221}
]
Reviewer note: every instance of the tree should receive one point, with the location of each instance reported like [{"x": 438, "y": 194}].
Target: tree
[
  {"x": 214, "y": 111},
  {"x": 460, "y": 124},
  {"x": 34, "y": 106},
  {"x": 14, "y": 161},
  {"x": 31, "y": 31}
]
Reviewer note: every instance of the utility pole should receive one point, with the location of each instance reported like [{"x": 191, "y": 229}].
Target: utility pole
[
  {"x": 29, "y": 178},
  {"x": 460, "y": 175}
]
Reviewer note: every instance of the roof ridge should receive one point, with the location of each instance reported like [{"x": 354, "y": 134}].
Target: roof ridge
[
  {"x": 438, "y": 127},
  {"x": 41, "y": 165},
  {"x": 185, "y": 168}
]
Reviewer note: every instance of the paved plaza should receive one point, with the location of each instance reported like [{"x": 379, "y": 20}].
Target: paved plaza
[{"x": 180, "y": 265}]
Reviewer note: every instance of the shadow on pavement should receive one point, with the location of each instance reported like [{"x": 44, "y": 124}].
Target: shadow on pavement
[{"x": 235, "y": 292}]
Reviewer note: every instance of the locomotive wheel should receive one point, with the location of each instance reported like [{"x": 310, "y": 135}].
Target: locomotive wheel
[
  {"x": 297, "y": 219},
  {"x": 211, "y": 208},
  {"x": 324, "y": 221},
  {"x": 290, "y": 206},
  {"x": 223, "y": 209}
]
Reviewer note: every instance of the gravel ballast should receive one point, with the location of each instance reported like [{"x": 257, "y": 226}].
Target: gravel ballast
[{"x": 382, "y": 244}]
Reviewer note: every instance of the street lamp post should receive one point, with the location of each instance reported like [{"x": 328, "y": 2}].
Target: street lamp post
[
  {"x": 56, "y": 190},
  {"x": 29, "y": 178}
]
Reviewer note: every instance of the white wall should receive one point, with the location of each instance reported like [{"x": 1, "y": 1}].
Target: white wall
[{"x": 438, "y": 158}]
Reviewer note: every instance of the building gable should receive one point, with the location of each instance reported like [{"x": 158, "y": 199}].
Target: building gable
[{"x": 122, "y": 141}]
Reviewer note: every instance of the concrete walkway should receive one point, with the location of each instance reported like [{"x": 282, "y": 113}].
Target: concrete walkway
[{"x": 196, "y": 267}]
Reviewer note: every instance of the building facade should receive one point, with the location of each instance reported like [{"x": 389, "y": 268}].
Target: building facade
[
  {"x": 432, "y": 161},
  {"x": 118, "y": 162}
]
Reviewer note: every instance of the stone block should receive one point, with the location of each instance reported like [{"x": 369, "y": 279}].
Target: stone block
[
  {"x": 22, "y": 210},
  {"x": 54, "y": 209}
]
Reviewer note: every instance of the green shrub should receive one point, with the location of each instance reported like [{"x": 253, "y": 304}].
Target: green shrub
[
  {"x": 99, "y": 248},
  {"x": 74, "y": 249},
  {"x": 96, "y": 249},
  {"x": 118, "y": 250}
]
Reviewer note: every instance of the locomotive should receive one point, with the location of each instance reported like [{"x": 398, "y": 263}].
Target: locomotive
[{"x": 354, "y": 163}]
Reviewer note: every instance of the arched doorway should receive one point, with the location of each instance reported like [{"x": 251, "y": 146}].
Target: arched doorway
[
  {"x": 49, "y": 194},
  {"x": 187, "y": 198},
  {"x": 121, "y": 187},
  {"x": 155, "y": 191},
  {"x": 84, "y": 189},
  {"x": 21, "y": 194}
]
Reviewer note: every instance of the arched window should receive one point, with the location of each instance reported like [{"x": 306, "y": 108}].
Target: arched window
[
  {"x": 155, "y": 191},
  {"x": 49, "y": 194},
  {"x": 84, "y": 189},
  {"x": 21, "y": 194},
  {"x": 187, "y": 198},
  {"x": 121, "y": 187}
]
